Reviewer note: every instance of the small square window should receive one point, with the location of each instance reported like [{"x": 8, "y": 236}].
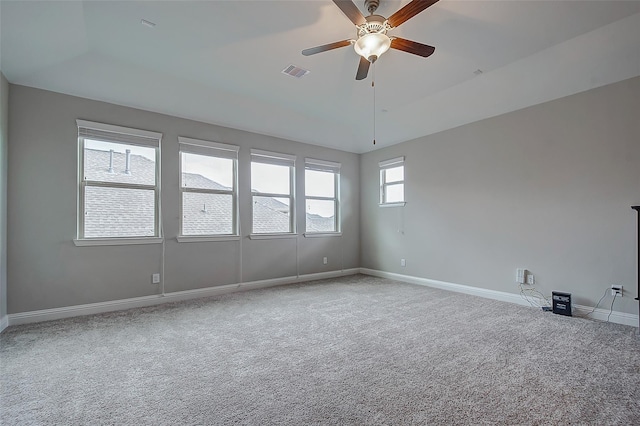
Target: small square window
[{"x": 392, "y": 182}]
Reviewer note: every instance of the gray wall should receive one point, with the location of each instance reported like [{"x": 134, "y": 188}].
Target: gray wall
[
  {"x": 4, "y": 140},
  {"x": 547, "y": 188},
  {"x": 46, "y": 270}
]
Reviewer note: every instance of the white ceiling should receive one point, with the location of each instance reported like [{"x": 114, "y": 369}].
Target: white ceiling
[{"x": 220, "y": 61}]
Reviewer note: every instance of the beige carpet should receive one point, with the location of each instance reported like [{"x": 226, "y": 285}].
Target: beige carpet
[{"x": 355, "y": 350}]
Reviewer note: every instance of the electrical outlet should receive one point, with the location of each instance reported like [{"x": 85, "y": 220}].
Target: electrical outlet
[
  {"x": 616, "y": 290},
  {"x": 531, "y": 279},
  {"x": 155, "y": 278},
  {"x": 520, "y": 273},
  {"x": 324, "y": 261},
  {"x": 403, "y": 262}
]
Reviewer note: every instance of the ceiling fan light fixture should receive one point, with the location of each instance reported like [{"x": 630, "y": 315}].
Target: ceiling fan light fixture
[{"x": 372, "y": 46}]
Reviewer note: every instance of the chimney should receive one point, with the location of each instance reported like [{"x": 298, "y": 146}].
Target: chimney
[
  {"x": 110, "y": 161},
  {"x": 127, "y": 167}
]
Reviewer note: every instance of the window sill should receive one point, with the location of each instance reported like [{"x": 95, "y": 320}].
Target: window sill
[
  {"x": 116, "y": 241},
  {"x": 322, "y": 234},
  {"x": 402, "y": 204},
  {"x": 271, "y": 236},
  {"x": 206, "y": 238}
]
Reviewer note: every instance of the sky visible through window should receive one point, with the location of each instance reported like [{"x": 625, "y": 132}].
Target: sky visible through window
[{"x": 219, "y": 170}]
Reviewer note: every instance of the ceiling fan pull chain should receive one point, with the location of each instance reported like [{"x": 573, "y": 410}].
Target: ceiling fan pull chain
[{"x": 373, "y": 85}]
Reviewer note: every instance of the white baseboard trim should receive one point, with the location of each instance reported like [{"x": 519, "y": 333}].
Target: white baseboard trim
[
  {"x": 87, "y": 309},
  {"x": 4, "y": 323},
  {"x": 579, "y": 310},
  {"x": 602, "y": 315},
  {"x": 140, "y": 302}
]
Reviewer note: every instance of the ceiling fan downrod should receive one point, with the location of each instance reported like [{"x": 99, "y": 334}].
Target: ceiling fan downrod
[{"x": 371, "y": 5}]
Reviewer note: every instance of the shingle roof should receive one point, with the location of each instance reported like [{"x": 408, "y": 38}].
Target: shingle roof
[
  {"x": 270, "y": 215},
  {"x": 119, "y": 212},
  {"x": 192, "y": 180},
  {"x": 316, "y": 223}
]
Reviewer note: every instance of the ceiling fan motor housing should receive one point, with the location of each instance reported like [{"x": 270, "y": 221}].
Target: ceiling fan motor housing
[
  {"x": 375, "y": 24},
  {"x": 371, "y": 5}
]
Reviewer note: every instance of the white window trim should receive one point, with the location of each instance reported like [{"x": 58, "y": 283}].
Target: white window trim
[
  {"x": 329, "y": 167},
  {"x": 322, "y": 165},
  {"x": 204, "y": 239},
  {"x": 120, "y": 241},
  {"x": 389, "y": 164},
  {"x": 211, "y": 149},
  {"x": 209, "y": 144},
  {"x": 123, "y": 135},
  {"x": 322, "y": 234},
  {"x": 272, "y": 157},
  {"x": 278, "y": 159},
  {"x": 398, "y": 204},
  {"x": 125, "y": 131},
  {"x": 273, "y": 236}
]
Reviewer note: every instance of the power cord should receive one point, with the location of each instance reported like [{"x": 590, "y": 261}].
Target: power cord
[
  {"x": 611, "y": 309},
  {"x": 596, "y": 307},
  {"x": 600, "y": 301},
  {"x": 533, "y": 293}
]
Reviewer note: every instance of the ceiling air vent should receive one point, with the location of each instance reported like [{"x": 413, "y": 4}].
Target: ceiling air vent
[
  {"x": 294, "y": 71},
  {"x": 147, "y": 23}
]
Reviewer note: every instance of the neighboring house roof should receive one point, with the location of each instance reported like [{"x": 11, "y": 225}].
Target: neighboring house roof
[
  {"x": 192, "y": 180},
  {"x": 316, "y": 223},
  {"x": 97, "y": 167},
  {"x": 269, "y": 215},
  {"x": 118, "y": 212}
]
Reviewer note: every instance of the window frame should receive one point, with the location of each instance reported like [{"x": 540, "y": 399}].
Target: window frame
[
  {"x": 384, "y": 166},
  {"x": 124, "y": 136},
  {"x": 215, "y": 150},
  {"x": 278, "y": 159},
  {"x": 327, "y": 167}
]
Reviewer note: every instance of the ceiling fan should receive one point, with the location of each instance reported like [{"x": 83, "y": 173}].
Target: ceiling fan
[{"x": 372, "y": 30}]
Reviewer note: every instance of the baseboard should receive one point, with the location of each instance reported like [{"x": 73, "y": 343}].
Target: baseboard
[
  {"x": 87, "y": 309},
  {"x": 4, "y": 323},
  {"x": 579, "y": 310},
  {"x": 144, "y": 301},
  {"x": 459, "y": 288},
  {"x": 603, "y": 314},
  {"x": 139, "y": 302}
]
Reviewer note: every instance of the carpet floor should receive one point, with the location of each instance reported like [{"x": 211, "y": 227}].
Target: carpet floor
[{"x": 353, "y": 350}]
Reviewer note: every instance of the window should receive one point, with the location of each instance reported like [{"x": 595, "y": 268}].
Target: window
[
  {"x": 321, "y": 187},
  {"x": 272, "y": 192},
  {"x": 392, "y": 182},
  {"x": 119, "y": 184},
  {"x": 208, "y": 188}
]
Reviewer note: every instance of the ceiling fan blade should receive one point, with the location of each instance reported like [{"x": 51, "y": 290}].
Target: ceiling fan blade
[
  {"x": 412, "y": 47},
  {"x": 363, "y": 68},
  {"x": 409, "y": 11},
  {"x": 351, "y": 10},
  {"x": 325, "y": 47}
]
